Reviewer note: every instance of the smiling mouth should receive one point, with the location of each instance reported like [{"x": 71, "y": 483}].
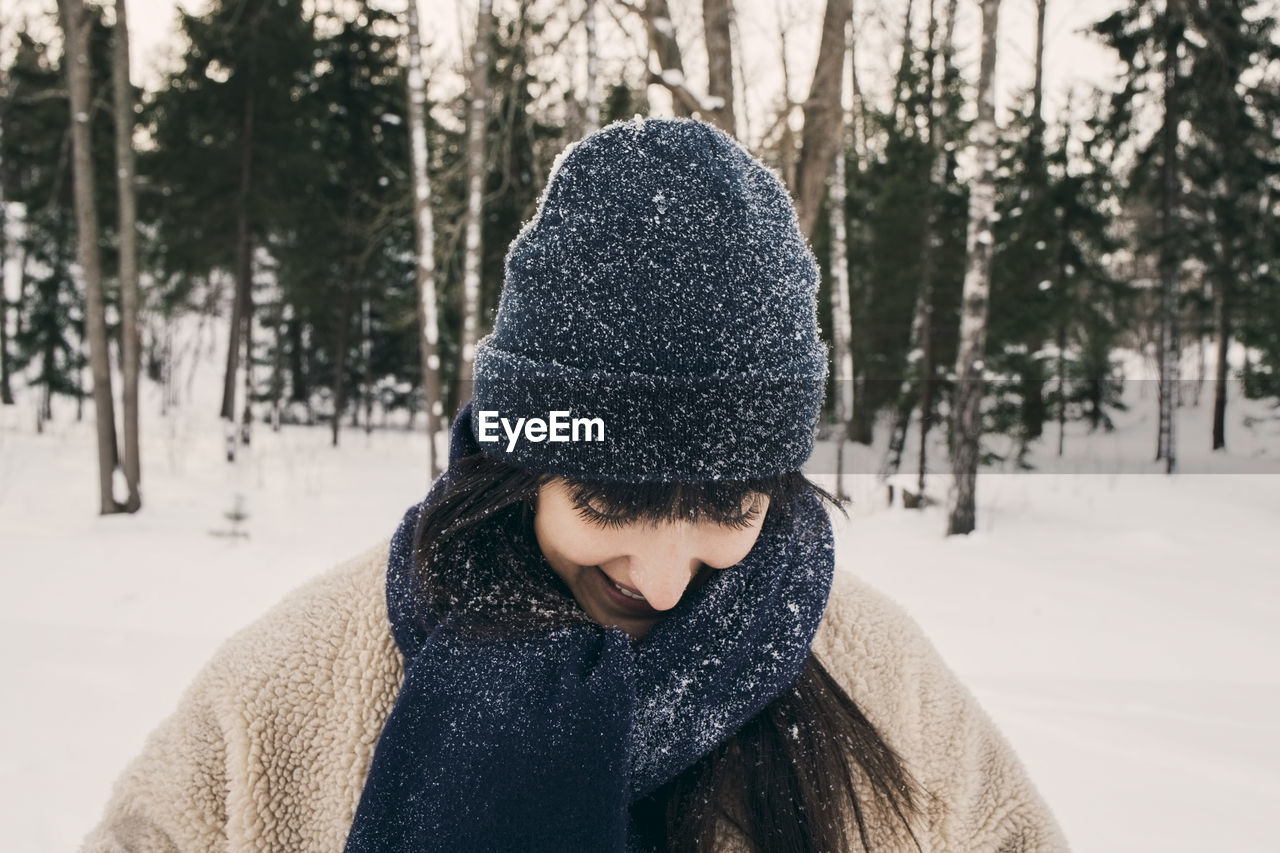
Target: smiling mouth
[
  {"x": 629, "y": 593},
  {"x": 625, "y": 598}
]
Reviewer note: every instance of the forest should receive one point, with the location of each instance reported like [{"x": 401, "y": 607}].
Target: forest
[{"x": 342, "y": 194}]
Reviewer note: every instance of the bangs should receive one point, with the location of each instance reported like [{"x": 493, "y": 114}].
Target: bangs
[{"x": 726, "y": 502}]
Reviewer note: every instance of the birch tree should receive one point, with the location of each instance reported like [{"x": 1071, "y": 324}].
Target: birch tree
[
  {"x": 929, "y": 258},
  {"x": 6, "y": 95},
  {"x": 75, "y": 28},
  {"x": 841, "y": 306},
  {"x": 591, "y": 114},
  {"x": 424, "y": 244},
  {"x": 242, "y": 298},
  {"x": 1170, "y": 350},
  {"x": 477, "y": 168},
  {"x": 822, "y": 116},
  {"x": 716, "y": 18},
  {"x": 967, "y": 408},
  {"x": 6, "y": 393},
  {"x": 128, "y": 250},
  {"x": 664, "y": 49}
]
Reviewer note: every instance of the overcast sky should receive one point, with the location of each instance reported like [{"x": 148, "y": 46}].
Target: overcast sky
[{"x": 1071, "y": 58}]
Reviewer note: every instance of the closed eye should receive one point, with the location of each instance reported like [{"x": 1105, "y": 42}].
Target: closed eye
[
  {"x": 602, "y": 519},
  {"x": 615, "y": 520}
]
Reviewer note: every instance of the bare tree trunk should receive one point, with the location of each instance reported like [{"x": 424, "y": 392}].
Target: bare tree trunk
[
  {"x": 1060, "y": 337},
  {"x": 1166, "y": 446},
  {"x": 977, "y": 287},
  {"x": 1037, "y": 86},
  {"x": 166, "y": 368},
  {"x": 859, "y": 118},
  {"x": 277, "y": 366},
  {"x": 841, "y": 318},
  {"x": 950, "y": 73},
  {"x": 664, "y": 47},
  {"x": 1222, "y": 293},
  {"x": 243, "y": 273},
  {"x": 822, "y": 115},
  {"x": 741, "y": 70},
  {"x": 592, "y": 113},
  {"x": 1062, "y": 384},
  {"x": 6, "y": 393},
  {"x": 1032, "y": 426},
  {"x": 246, "y": 413},
  {"x": 786, "y": 137},
  {"x": 920, "y": 341},
  {"x": 716, "y": 17},
  {"x": 76, "y": 34},
  {"x": 20, "y": 294},
  {"x": 339, "y": 365},
  {"x": 366, "y": 358},
  {"x": 129, "y": 331},
  {"x": 299, "y": 379},
  {"x": 476, "y": 171},
  {"x": 424, "y": 243},
  {"x": 901, "y": 92},
  {"x": 929, "y": 260},
  {"x": 1222, "y": 327}
]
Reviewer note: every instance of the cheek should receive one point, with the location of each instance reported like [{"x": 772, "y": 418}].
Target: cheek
[{"x": 724, "y": 548}]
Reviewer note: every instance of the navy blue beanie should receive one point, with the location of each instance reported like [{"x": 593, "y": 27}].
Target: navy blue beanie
[{"x": 664, "y": 288}]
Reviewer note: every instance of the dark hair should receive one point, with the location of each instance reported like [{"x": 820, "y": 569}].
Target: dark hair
[{"x": 791, "y": 779}]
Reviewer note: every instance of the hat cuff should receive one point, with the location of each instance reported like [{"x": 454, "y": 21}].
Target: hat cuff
[{"x": 735, "y": 426}]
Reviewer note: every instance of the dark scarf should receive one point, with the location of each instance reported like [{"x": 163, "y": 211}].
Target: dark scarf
[{"x": 543, "y": 741}]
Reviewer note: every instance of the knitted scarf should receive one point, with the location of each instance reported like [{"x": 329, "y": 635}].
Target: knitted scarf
[{"x": 544, "y": 740}]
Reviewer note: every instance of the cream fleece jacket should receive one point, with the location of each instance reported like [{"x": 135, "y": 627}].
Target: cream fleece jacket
[{"x": 270, "y": 745}]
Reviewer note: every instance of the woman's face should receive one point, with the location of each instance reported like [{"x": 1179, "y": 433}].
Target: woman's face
[{"x": 625, "y": 575}]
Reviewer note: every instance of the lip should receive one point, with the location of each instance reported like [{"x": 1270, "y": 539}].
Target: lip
[{"x": 630, "y": 606}]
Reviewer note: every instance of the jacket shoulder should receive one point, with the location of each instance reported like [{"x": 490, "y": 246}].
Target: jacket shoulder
[
  {"x": 870, "y": 644},
  {"x": 315, "y": 679},
  {"x": 978, "y": 796},
  {"x": 333, "y": 615},
  {"x": 270, "y": 743}
]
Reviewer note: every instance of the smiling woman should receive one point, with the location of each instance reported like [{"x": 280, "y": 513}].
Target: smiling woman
[{"x": 633, "y": 644}]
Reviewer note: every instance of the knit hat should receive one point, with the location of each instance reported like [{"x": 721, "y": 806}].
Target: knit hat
[{"x": 664, "y": 288}]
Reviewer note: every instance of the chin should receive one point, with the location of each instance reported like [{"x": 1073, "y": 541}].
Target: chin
[{"x": 634, "y": 630}]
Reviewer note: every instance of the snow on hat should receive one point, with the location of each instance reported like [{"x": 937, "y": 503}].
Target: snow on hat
[{"x": 663, "y": 287}]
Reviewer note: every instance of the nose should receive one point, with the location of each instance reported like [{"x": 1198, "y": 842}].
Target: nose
[{"x": 664, "y": 564}]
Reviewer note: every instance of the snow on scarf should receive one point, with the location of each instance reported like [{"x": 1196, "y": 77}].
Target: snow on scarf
[{"x": 542, "y": 741}]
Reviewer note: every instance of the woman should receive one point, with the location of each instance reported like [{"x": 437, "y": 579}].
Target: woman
[{"x": 614, "y": 623}]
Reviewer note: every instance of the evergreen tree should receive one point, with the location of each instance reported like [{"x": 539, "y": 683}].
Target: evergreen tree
[
  {"x": 887, "y": 230},
  {"x": 1232, "y": 165},
  {"x": 228, "y": 143},
  {"x": 347, "y": 250},
  {"x": 1223, "y": 170},
  {"x": 35, "y": 168},
  {"x": 1061, "y": 310}
]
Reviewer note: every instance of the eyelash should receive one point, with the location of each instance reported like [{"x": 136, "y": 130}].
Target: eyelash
[{"x": 608, "y": 520}]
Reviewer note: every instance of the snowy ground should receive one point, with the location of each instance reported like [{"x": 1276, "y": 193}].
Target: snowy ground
[{"x": 1122, "y": 629}]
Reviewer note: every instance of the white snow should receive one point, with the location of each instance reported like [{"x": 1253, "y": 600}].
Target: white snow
[{"x": 1120, "y": 628}]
